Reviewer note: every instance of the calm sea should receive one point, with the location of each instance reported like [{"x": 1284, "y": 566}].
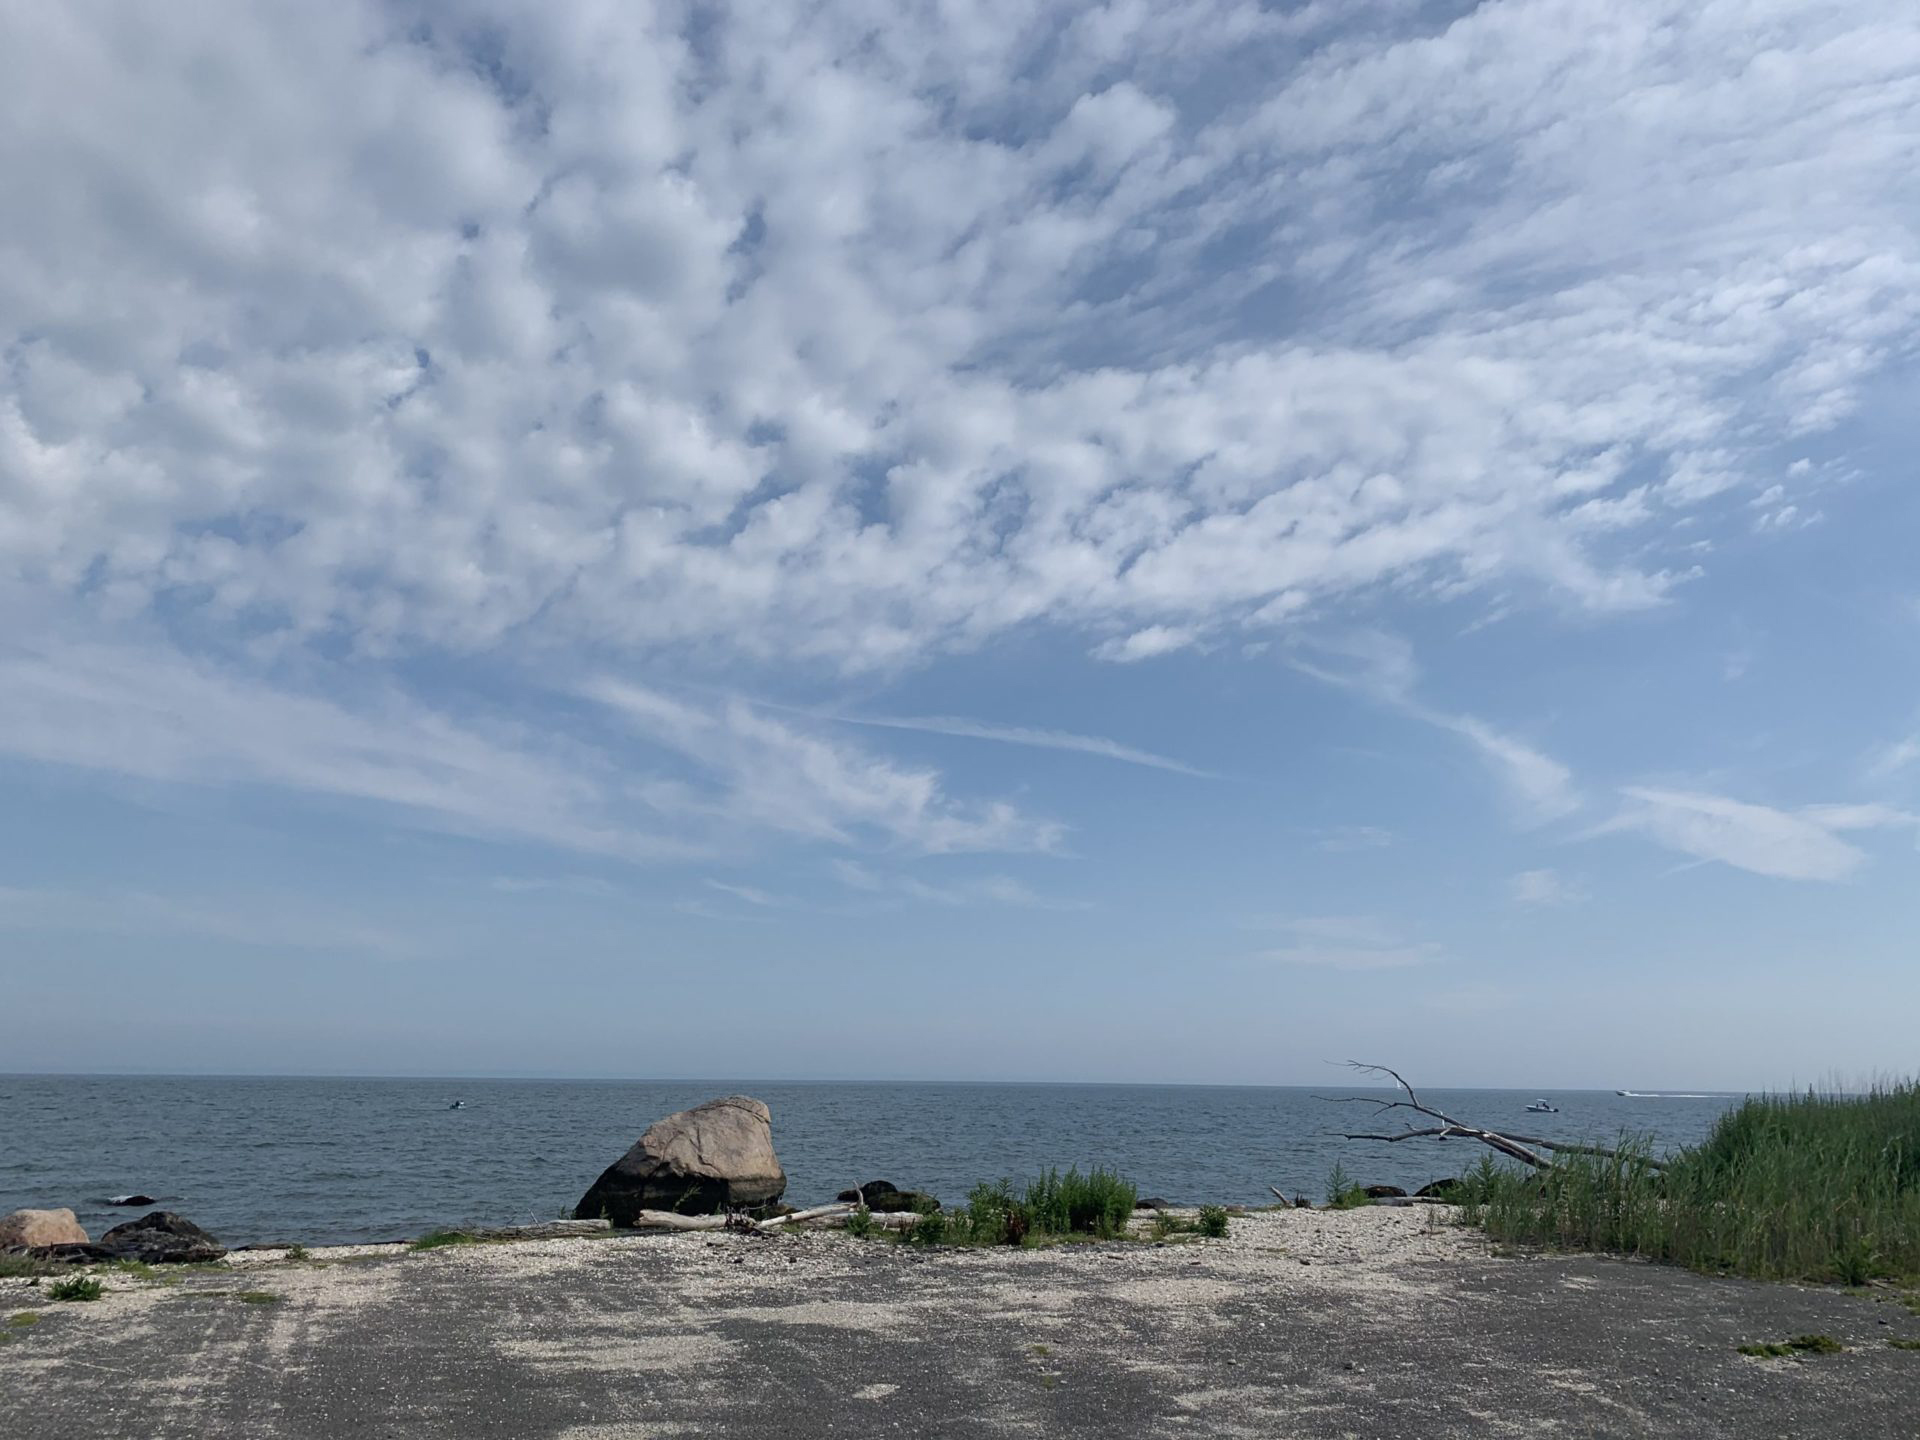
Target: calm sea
[{"x": 335, "y": 1160}]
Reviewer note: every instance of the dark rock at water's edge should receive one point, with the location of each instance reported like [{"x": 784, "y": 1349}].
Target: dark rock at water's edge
[
  {"x": 1300, "y": 1202},
  {"x": 130, "y": 1200},
  {"x": 1385, "y": 1192},
  {"x": 1153, "y": 1202},
  {"x": 162, "y": 1238},
  {"x": 883, "y": 1197},
  {"x": 1437, "y": 1189},
  {"x": 717, "y": 1156}
]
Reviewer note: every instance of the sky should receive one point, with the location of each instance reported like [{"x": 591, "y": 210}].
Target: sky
[{"x": 968, "y": 539}]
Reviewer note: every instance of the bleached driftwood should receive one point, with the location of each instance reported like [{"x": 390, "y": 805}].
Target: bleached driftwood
[
  {"x": 546, "y": 1230},
  {"x": 1524, "y": 1148},
  {"x": 820, "y": 1216}
]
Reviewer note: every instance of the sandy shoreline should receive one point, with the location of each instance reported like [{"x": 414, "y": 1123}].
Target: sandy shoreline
[{"x": 1376, "y": 1321}]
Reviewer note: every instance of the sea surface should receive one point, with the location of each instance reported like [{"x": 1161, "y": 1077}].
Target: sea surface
[{"x": 337, "y": 1160}]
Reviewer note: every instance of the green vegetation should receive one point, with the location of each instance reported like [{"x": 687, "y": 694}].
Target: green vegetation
[
  {"x": 1051, "y": 1208},
  {"x": 440, "y": 1239},
  {"x": 860, "y": 1223},
  {"x": 259, "y": 1297},
  {"x": 1211, "y": 1222},
  {"x": 1806, "y": 1187},
  {"x": 298, "y": 1252},
  {"x": 1905, "y": 1344},
  {"x": 24, "y": 1319},
  {"x": 1343, "y": 1192},
  {"x": 1798, "y": 1345},
  {"x": 20, "y": 1267},
  {"x": 134, "y": 1267},
  {"x": 75, "y": 1287}
]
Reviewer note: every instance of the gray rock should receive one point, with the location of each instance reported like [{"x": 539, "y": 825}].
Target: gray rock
[
  {"x": 714, "y": 1157},
  {"x": 162, "y": 1238}
]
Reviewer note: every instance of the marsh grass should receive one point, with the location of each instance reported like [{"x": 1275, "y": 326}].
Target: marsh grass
[
  {"x": 440, "y": 1239},
  {"x": 22, "y": 1267},
  {"x": 1049, "y": 1209},
  {"x": 1803, "y": 1187}
]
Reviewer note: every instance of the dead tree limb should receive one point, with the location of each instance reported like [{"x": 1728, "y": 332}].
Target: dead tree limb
[{"x": 1524, "y": 1148}]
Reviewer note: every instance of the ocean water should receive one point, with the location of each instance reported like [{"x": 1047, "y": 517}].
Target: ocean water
[{"x": 337, "y": 1160}]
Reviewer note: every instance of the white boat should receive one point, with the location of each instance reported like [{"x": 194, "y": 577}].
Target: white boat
[{"x": 1541, "y": 1107}]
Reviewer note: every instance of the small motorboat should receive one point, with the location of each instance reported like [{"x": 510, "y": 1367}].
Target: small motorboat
[
  {"x": 1542, "y": 1107},
  {"x": 458, "y": 1105}
]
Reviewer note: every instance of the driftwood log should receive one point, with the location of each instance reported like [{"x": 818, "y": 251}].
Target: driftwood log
[
  {"x": 820, "y": 1216},
  {"x": 1525, "y": 1148}
]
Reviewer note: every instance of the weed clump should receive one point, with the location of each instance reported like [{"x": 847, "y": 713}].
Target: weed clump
[
  {"x": 1798, "y": 1345},
  {"x": 77, "y": 1287},
  {"x": 440, "y": 1239},
  {"x": 1052, "y": 1206}
]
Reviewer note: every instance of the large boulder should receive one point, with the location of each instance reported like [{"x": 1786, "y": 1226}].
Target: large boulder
[
  {"x": 30, "y": 1229},
  {"x": 162, "y": 1238},
  {"x": 717, "y": 1156}
]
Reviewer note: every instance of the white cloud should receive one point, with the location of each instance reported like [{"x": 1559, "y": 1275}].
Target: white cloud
[
  {"x": 1894, "y": 758},
  {"x": 825, "y": 340},
  {"x": 286, "y": 923},
  {"x": 1145, "y": 644},
  {"x": 758, "y": 772},
  {"x": 974, "y": 891},
  {"x": 151, "y": 714},
  {"x": 1341, "y": 942},
  {"x": 1543, "y": 887},
  {"x": 1788, "y": 845},
  {"x": 1024, "y": 735},
  {"x": 1343, "y": 838},
  {"x": 750, "y": 894},
  {"x": 1382, "y": 666}
]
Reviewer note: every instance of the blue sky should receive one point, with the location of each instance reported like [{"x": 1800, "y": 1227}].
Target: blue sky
[{"x": 1161, "y": 542}]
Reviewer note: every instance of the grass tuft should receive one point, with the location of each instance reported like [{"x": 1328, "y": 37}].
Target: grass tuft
[
  {"x": 1050, "y": 1208},
  {"x": 24, "y": 1319},
  {"x": 1905, "y": 1344},
  {"x": 440, "y": 1239},
  {"x": 259, "y": 1297},
  {"x": 1802, "y": 1187},
  {"x": 1798, "y": 1345},
  {"x": 76, "y": 1287}
]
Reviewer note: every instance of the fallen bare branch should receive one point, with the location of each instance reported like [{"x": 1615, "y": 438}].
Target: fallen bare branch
[{"x": 1524, "y": 1148}]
